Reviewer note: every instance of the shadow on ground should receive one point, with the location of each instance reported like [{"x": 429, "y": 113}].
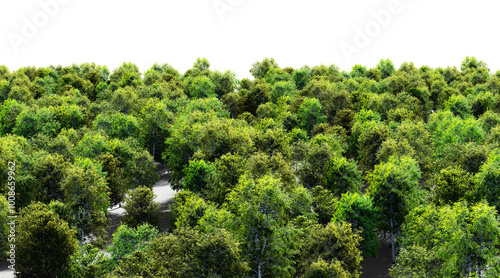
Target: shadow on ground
[{"x": 378, "y": 267}]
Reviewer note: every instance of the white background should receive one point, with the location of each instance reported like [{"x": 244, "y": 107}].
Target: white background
[{"x": 294, "y": 33}]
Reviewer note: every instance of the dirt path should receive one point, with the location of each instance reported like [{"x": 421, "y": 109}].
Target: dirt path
[
  {"x": 164, "y": 195},
  {"x": 378, "y": 267}
]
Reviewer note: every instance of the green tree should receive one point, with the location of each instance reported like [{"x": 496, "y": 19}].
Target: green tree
[
  {"x": 257, "y": 95},
  {"x": 87, "y": 262},
  {"x": 70, "y": 116},
  {"x": 487, "y": 179},
  {"x": 452, "y": 185},
  {"x": 283, "y": 88},
  {"x": 301, "y": 77},
  {"x": 85, "y": 191},
  {"x": 459, "y": 105},
  {"x": 318, "y": 153},
  {"x": 275, "y": 75},
  {"x": 49, "y": 171},
  {"x": 419, "y": 139},
  {"x": 125, "y": 100},
  {"x": 115, "y": 177},
  {"x": 415, "y": 261},
  {"x": 394, "y": 189},
  {"x": 334, "y": 247},
  {"x": 44, "y": 242},
  {"x": 141, "y": 169},
  {"x": 198, "y": 175},
  {"x": 207, "y": 136},
  {"x": 342, "y": 176},
  {"x": 188, "y": 209},
  {"x": 117, "y": 125},
  {"x": 21, "y": 94},
  {"x": 229, "y": 167},
  {"x": 15, "y": 155},
  {"x": 358, "y": 71},
  {"x": 260, "y": 164},
  {"x": 127, "y": 240},
  {"x": 260, "y": 69},
  {"x": 489, "y": 120},
  {"x": 370, "y": 142},
  {"x": 200, "y": 67},
  {"x": 446, "y": 130},
  {"x": 310, "y": 114},
  {"x": 127, "y": 74},
  {"x": 481, "y": 102},
  {"x": 262, "y": 208},
  {"x": 472, "y": 63},
  {"x": 358, "y": 210},
  {"x": 70, "y": 80},
  {"x": 322, "y": 269},
  {"x": 9, "y": 110},
  {"x": 92, "y": 144},
  {"x": 29, "y": 123},
  {"x": 199, "y": 87},
  {"x": 386, "y": 68},
  {"x": 155, "y": 120},
  {"x": 395, "y": 147},
  {"x": 224, "y": 83},
  {"x": 451, "y": 241},
  {"x": 140, "y": 207},
  {"x": 323, "y": 204}
]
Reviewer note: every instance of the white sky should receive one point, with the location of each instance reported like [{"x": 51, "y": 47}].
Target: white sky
[{"x": 294, "y": 33}]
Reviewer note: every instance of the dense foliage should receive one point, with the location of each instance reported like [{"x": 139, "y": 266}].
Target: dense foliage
[{"x": 295, "y": 173}]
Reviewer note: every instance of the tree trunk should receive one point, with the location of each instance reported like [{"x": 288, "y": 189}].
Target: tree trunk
[
  {"x": 154, "y": 150},
  {"x": 392, "y": 244}
]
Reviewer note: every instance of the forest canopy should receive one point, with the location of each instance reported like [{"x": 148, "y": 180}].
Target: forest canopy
[{"x": 298, "y": 172}]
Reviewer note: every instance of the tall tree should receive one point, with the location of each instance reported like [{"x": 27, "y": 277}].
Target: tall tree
[
  {"x": 263, "y": 209},
  {"x": 155, "y": 120},
  {"x": 85, "y": 191},
  {"x": 115, "y": 177},
  {"x": 394, "y": 189}
]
